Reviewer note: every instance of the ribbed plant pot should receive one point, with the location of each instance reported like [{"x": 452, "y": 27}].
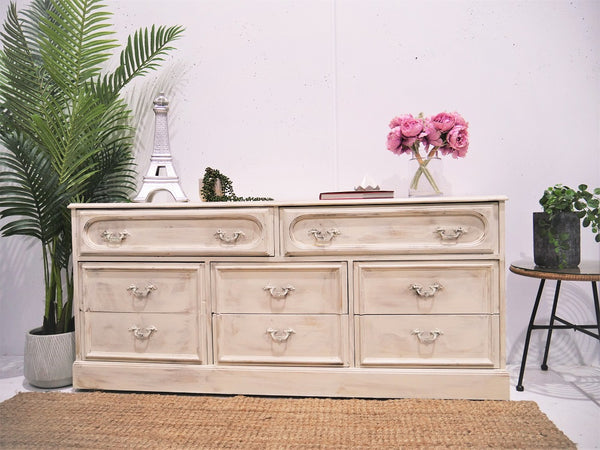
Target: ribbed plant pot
[
  {"x": 48, "y": 359},
  {"x": 556, "y": 242}
]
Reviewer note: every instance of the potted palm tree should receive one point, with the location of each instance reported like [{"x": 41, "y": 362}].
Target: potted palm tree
[{"x": 65, "y": 137}]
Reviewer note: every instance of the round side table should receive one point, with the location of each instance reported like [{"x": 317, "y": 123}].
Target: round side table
[{"x": 587, "y": 271}]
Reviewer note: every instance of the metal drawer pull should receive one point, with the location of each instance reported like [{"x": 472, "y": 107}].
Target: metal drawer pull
[
  {"x": 143, "y": 333},
  {"x": 280, "y": 335},
  {"x": 114, "y": 238},
  {"x": 324, "y": 237},
  {"x": 427, "y": 337},
  {"x": 450, "y": 234},
  {"x": 229, "y": 239},
  {"x": 140, "y": 293},
  {"x": 426, "y": 292},
  {"x": 279, "y": 293}
]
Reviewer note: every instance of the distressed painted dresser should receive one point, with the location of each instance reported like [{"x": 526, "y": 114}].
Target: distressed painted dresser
[{"x": 381, "y": 298}]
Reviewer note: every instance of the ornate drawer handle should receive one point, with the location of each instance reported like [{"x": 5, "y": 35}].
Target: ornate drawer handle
[
  {"x": 229, "y": 239},
  {"x": 143, "y": 333},
  {"x": 426, "y": 292},
  {"x": 114, "y": 238},
  {"x": 450, "y": 234},
  {"x": 427, "y": 337},
  {"x": 280, "y": 335},
  {"x": 324, "y": 237},
  {"x": 140, "y": 293},
  {"x": 279, "y": 293}
]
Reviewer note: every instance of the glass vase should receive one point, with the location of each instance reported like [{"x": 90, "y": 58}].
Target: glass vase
[{"x": 427, "y": 174}]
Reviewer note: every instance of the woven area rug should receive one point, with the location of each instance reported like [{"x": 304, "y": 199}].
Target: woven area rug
[{"x": 120, "y": 420}]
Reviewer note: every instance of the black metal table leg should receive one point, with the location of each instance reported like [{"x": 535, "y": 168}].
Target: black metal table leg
[
  {"x": 596, "y": 305},
  {"x": 528, "y": 336},
  {"x": 551, "y": 326}
]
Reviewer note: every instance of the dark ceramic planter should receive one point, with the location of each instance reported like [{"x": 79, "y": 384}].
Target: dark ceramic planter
[{"x": 556, "y": 243}]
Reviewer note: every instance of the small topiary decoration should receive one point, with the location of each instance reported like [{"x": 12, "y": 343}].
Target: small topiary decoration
[{"x": 212, "y": 192}]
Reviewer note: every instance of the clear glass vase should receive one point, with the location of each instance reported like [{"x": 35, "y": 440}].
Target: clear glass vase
[{"x": 427, "y": 173}]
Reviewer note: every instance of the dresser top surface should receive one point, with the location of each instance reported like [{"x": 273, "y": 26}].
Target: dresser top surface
[{"x": 258, "y": 204}]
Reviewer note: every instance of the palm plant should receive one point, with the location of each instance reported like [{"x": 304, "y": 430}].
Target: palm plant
[{"x": 64, "y": 127}]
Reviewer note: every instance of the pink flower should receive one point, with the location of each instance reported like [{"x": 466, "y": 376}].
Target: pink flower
[
  {"x": 397, "y": 121},
  {"x": 430, "y": 135},
  {"x": 458, "y": 119},
  {"x": 394, "y": 140},
  {"x": 411, "y": 127},
  {"x": 458, "y": 140},
  {"x": 444, "y": 121}
]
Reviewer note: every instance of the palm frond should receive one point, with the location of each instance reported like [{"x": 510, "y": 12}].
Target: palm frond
[
  {"x": 19, "y": 90},
  {"x": 29, "y": 190},
  {"x": 75, "y": 41},
  {"x": 144, "y": 51}
]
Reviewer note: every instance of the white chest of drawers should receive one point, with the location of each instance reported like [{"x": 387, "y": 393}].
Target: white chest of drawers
[{"x": 384, "y": 298}]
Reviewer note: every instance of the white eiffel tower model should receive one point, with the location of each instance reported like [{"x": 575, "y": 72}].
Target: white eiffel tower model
[{"x": 161, "y": 174}]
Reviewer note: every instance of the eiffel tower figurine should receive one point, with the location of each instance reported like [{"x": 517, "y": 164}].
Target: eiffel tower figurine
[{"x": 161, "y": 174}]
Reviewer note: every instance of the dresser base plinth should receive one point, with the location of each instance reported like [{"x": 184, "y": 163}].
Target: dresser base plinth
[{"x": 293, "y": 381}]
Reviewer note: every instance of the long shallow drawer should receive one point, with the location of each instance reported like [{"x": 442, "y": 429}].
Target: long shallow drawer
[
  {"x": 310, "y": 288},
  {"x": 281, "y": 339},
  {"x": 123, "y": 287},
  {"x": 156, "y": 337},
  {"x": 428, "y": 340},
  {"x": 426, "y": 287},
  {"x": 456, "y": 228},
  {"x": 177, "y": 232}
]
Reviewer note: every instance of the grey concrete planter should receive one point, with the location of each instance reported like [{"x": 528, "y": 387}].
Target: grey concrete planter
[
  {"x": 48, "y": 359},
  {"x": 556, "y": 243}
]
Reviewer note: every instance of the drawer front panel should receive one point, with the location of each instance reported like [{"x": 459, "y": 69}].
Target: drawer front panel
[
  {"x": 426, "y": 287},
  {"x": 148, "y": 337},
  {"x": 310, "y": 288},
  {"x": 122, "y": 287},
  {"x": 170, "y": 233},
  {"x": 425, "y": 341},
  {"x": 441, "y": 229},
  {"x": 281, "y": 339}
]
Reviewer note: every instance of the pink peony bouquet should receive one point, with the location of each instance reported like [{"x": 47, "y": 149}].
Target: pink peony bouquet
[
  {"x": 444, "y": 132},
  {"x": 425, "y": 137}
]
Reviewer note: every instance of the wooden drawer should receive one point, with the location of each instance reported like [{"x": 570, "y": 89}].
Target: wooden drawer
[
  {"x": 426, "y": 287},
  {"x": 126, "y": 287},
  {"x": 310, "y": 288},
  {"x": 177, "y": 232},
  {"x": 445, "y": 229},
  {"x": 134, "y": 336},
  {"x": 281, "y": 339},
  {"x": 413, "y": 340}
]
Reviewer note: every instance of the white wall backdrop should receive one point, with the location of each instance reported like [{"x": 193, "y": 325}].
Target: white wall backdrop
[{"x": 291, "y": 98}]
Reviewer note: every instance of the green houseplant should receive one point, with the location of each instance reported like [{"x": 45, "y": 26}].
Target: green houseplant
[
  {"x": 557, "y": 228},
  {"x": 64, "y": 128}
]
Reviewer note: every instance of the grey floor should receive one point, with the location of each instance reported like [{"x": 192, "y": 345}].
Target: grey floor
[{"x": 568, "y": 395}]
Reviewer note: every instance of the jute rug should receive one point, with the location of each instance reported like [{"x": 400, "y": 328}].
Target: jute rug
[{"x": 119, "y": 420}]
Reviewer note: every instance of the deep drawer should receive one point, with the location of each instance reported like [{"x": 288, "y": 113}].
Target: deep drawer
[
  {"x": 428, "y": 340},
  {"x": 310, "y": 288},
  {"x": 426, "y": 287},
  {"x": 123, "y": 287},
  {"x": 149, "y": 337},
  {"x": 168, "y": 233},
  {"x": 444, "y": 229},
  {"x": 281, "y": 339}
]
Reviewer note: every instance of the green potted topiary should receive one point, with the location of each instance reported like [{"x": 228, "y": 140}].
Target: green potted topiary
[
  {"x": 556, "y": 230},
  {"x": 66, "y": 136}
]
